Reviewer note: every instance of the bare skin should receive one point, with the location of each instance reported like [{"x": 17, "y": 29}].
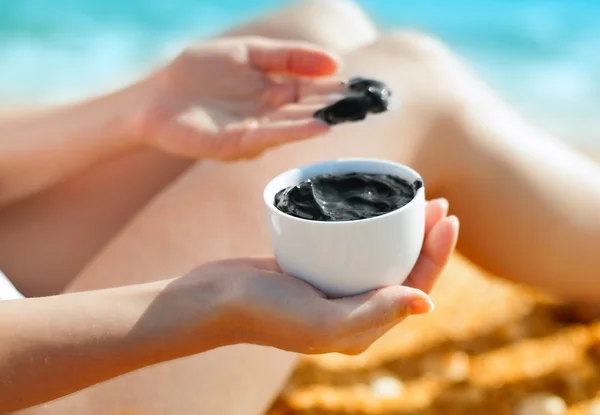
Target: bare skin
[{"x": 469, "y": 146}]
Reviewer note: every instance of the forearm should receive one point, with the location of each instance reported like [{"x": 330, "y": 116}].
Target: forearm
[
  {"x": 42, "y": 146},
  {"x": 53, "y": 346}
]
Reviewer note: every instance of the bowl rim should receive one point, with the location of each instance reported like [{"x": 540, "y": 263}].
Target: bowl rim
[{"x": 272, "y": 209}]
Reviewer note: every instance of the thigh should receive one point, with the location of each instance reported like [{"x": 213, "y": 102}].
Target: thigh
[{"x": 46, "y": 240}]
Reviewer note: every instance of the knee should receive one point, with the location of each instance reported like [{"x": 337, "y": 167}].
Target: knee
[
  {"x": 347, "y": 11},
  {"x": 413, "y": 44},
  {"x": 338, "y": 25}
]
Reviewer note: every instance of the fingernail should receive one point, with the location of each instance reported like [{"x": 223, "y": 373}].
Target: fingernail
[
  {"x": 454, "y": 221},
  {"x": 421, "y": 306},
  {"x": 444, "y": 203}
]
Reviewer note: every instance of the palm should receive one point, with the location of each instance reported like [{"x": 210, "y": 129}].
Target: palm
[{"x": 236, "y": 98}]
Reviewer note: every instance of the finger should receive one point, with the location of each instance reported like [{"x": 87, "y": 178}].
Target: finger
[
  {"x": 296, "y": 111},
  {"x": 292, "y": 58},
  {"x": 283, "y": 91},
  {"x": 381, "y": 307},
  {"x": 317, "y": 99},
  {"x": 308, "y": 88},
  {"x": 360, "y": 342},
  {"x": 436, "y": 252},
  {"x": 272, "y": 134},
  {"x": 436, "y": 210},
  {"x": 265, "y": 264}
]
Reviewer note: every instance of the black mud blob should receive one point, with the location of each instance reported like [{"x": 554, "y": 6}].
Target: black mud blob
[
  {"x": 418, "y": 184},
  {"x": 361, "y": 85},
  {"x": 344, "y": 197},
  {"x": 352, "y": 108},
  {"x": 366, "y": 96}
]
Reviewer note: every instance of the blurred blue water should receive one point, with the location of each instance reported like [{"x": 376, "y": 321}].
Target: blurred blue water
[{"x": 543, "y": 55}]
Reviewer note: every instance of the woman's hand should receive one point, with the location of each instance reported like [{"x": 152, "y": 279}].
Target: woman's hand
[
  {"x": 259, "y": 304},
  {"x": 235, "y": 98}
]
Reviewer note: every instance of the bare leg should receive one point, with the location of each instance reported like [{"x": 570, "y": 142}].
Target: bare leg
[
  {"x": 65, "y": 227},
  {"x": 529, "y": 205}
]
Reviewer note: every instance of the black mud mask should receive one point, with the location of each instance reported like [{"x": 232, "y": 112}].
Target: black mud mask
[
  {"x": 343, "y": 197},
  {"x": 365, "y": 96}
]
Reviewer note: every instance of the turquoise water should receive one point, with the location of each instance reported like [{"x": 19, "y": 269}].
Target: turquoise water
[{"x": 543, "y": 55}]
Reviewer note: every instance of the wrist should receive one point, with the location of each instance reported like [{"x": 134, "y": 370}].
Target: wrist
[
  {"x": 146, "y": 109},
  {"x": 183, "y": 316},
  {"x": 130, "y": 107},
  {"x": 142, "y": 336}
]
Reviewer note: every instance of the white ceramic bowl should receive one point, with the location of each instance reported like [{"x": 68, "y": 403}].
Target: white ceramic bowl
[{"x": 347, "y": 257}]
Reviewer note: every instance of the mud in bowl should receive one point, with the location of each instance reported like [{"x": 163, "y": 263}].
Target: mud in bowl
[{"x": 348, "y": 257}]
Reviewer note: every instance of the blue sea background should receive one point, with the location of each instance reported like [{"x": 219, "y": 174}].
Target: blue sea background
[{"x": 543, "y": 56}]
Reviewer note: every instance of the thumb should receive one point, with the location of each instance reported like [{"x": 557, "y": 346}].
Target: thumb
[
  {"x": 383, "y": 307},
  {"x": 291, "y": 58}
]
